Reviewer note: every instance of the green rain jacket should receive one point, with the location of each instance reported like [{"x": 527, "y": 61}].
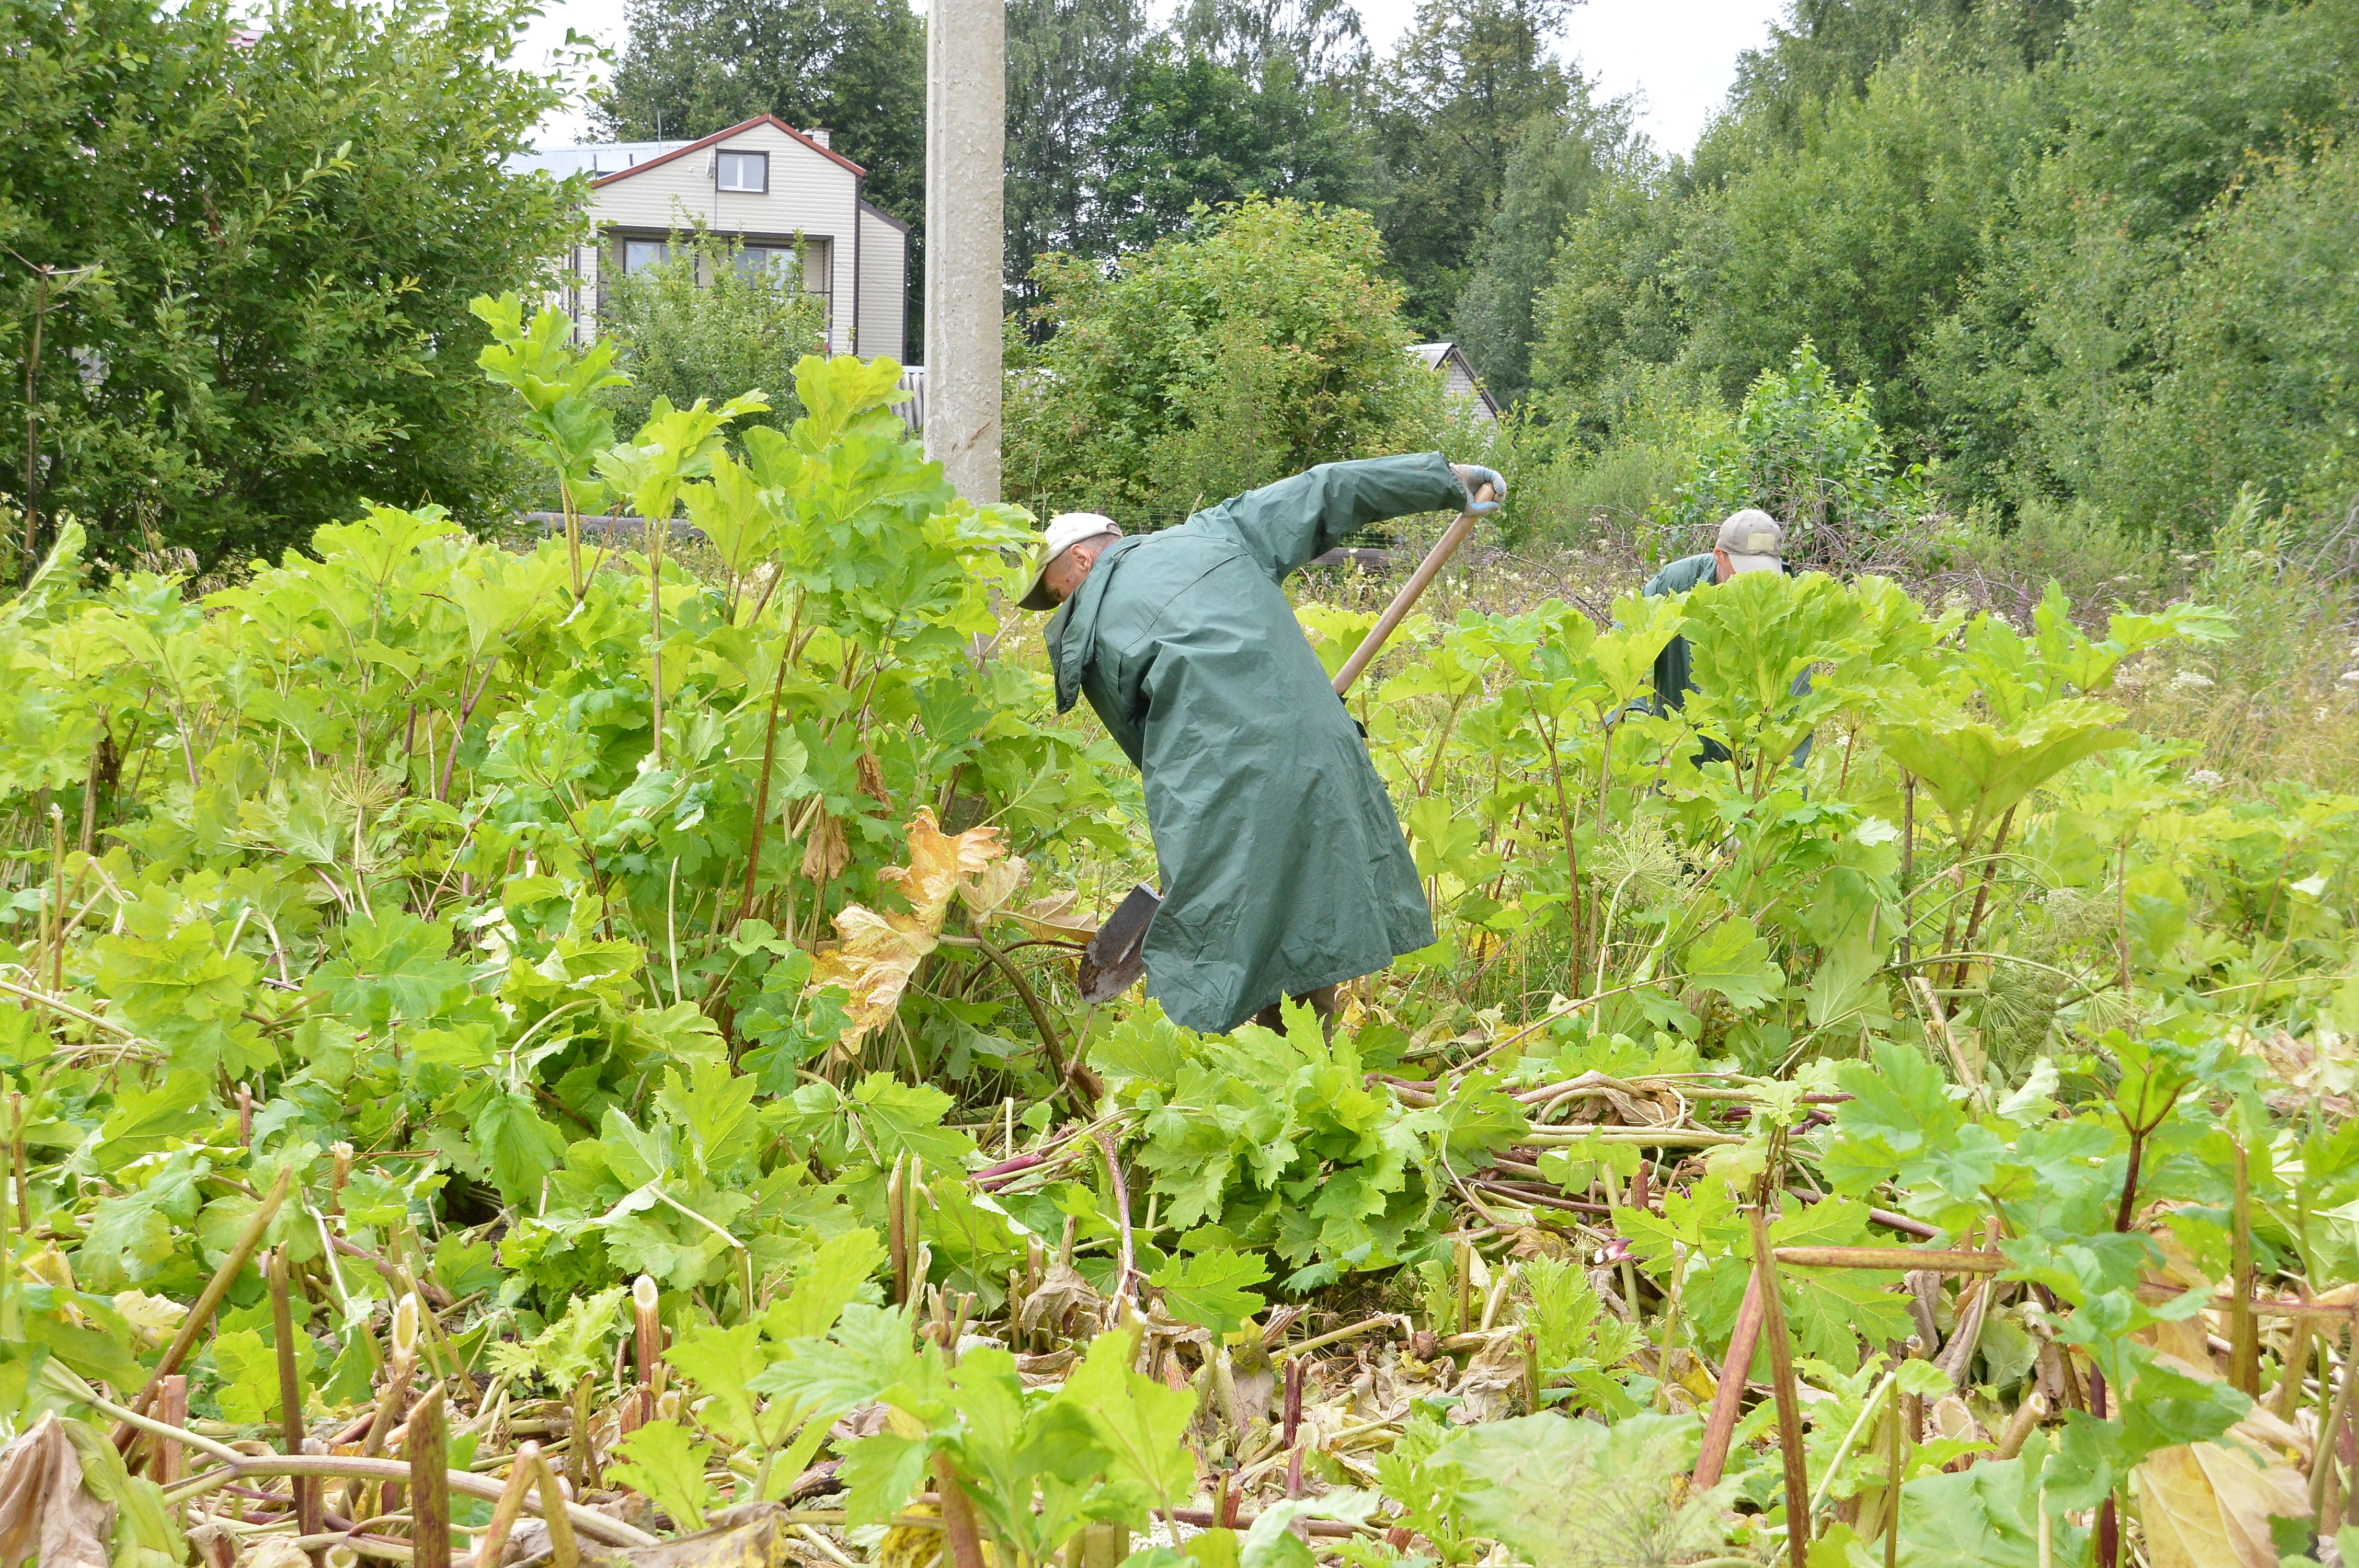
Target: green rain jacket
[
  {"x": 1282, "y": 866},
  {"x": 1674, "y": 664}
]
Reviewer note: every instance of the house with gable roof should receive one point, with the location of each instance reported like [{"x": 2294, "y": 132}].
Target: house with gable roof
[{"x": 764, "y": 184}]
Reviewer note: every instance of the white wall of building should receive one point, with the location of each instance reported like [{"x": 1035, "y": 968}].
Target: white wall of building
[{"x": 883, "y": 285}]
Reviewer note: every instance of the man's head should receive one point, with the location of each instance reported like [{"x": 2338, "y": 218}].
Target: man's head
[
  {"x": 1068, "y": 550},
  {"x": 1750, "y": 541}
]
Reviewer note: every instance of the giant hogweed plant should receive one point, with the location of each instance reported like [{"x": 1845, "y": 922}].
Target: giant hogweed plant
[{"x": 562, "y": 919}]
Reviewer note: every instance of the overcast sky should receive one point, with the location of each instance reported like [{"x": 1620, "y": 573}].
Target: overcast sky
[{"x": 1677, "y": 56}]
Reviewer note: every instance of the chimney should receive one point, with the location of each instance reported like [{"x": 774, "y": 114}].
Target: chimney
[{"x": 819, "y": 134}]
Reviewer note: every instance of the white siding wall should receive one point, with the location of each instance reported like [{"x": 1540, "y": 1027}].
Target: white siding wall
[
  {"x": 810, "y": 193},
  {"x": 883, "y": 294}
]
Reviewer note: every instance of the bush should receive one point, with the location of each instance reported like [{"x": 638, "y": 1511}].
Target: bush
[
  {"x": 2263, "y": 344},
  {"x": 287, "y": 224},
  {"x": 694, "y": 326},
  {"x": 1582, "y": 492},
  {"x": 1813, "y": 458},
  {"x": 1260, "y": 341}
]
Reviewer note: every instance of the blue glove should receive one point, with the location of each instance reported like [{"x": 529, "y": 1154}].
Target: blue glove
[{"x": 1473, "y": 476}]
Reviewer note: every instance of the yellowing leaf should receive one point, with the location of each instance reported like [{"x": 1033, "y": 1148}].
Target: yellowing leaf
[
  {"x": 992, "y": 886},
  {"x": 1055, "y": 919},
  {"x": 878, "y": 953},
  {"x": 2206, "y": 1504},
  {"x": 938, "y": 863}
]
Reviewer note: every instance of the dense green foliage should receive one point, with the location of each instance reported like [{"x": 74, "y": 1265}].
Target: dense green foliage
[
  {"x": 480, "y": 899},
  {"x": 2078, "y": 261},
  {"x": 285, "y": 225},
  {"x": 1258, "y": 341},
  {"x": 1450, "y": 109},
  {"x": 1192, "y": 131},
  {"x": 620, "y": 989}
]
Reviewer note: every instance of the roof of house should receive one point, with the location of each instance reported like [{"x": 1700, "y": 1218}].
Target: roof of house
[
  {"x": 721, "y": 136},
  {"x": 592, "y": 158},
  {"x": 1451, "y": 361},
  {"x": 607, "y": 162}
]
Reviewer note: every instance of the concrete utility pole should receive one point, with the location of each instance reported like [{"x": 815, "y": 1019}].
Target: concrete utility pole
[{"x": 966, "y": 134}]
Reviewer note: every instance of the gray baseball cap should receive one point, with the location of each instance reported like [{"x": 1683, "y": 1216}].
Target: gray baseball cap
[{"x": 1753, "y": 540}]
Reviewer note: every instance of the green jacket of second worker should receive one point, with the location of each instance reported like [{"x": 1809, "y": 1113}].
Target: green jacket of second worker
[
  {"x": 1675, "y": 664},
  {"x": 1282, "y": 866}
]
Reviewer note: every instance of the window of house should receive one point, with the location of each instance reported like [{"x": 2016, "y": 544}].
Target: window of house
[
  {"x": 744, "y": 171},
  {"x": 637, "y": 253},
  {"x": 773, "y": 263}
]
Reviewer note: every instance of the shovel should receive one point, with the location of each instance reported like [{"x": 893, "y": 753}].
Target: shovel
[{"x": 1115, "y": 957}]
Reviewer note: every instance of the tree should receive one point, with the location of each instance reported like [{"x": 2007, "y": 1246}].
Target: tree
[
  {"x": 1068, "y": 68},
  {"x": 1320, "y": 38},
  {"x": 288, "y": 222},
  {"x": 1562, "y": 162},
  {"x": 857, "y": 67},
  {"x": 1192, "y": 131},
  {"x": 1260, "y": 340},
  {"x": 1611, "y": 306},
  {"x": 698, "y": 324},
  {"x": 1863, "y": 238},
  {"x": 1451, "y": 106},
  {"x": 1827, "y": 50}
]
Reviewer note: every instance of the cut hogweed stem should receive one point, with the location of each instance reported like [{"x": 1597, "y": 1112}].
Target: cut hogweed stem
[
  {"x": 427, "y": 1446},
  {"x": 896, "y": 1233},
  {"x": 1729, "y": 1398},
  {"x": 2335, "y": 1413},
  {"x": 290, "y": 1392},
  {"x": 2244, "y": 1328},
  {"x": 523, "y": 1472},
  {"x": 563, "y": 1551},
  {"x": 172, "y": 1410},
  {"x": 1788, "y": 1396},
  {"x": 647, "y": 1340},
  {"x": 2288, "y": 1398},
  {"x": 241, "y": 1253},
  {"x": 1891, "y": 1480}
]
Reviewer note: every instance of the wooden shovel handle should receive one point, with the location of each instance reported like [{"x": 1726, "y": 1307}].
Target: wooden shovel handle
[{"x": 1418, "y": 580}]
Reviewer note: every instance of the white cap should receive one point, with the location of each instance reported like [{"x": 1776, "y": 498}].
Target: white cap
[
  {"x": 1753, "y": 541},
  {"x": 1066, "y": 529}
]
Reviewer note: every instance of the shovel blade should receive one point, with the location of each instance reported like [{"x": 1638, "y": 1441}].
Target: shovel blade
[{"x": 1116, "y": 957}]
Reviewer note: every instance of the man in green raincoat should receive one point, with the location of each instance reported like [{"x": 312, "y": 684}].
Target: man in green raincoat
[{"x": 1283, "y": 869}]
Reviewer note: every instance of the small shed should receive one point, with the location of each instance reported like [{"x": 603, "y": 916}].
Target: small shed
[{"x": 1457, "y": 373}]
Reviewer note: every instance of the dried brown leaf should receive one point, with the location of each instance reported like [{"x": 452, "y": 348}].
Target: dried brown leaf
[
  {"x": 46, "y": 1515},
  {"x": 1063, "y": 1294},
  {"x": 879, "y": 953},
  {"x": 827, "y": 852}
]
